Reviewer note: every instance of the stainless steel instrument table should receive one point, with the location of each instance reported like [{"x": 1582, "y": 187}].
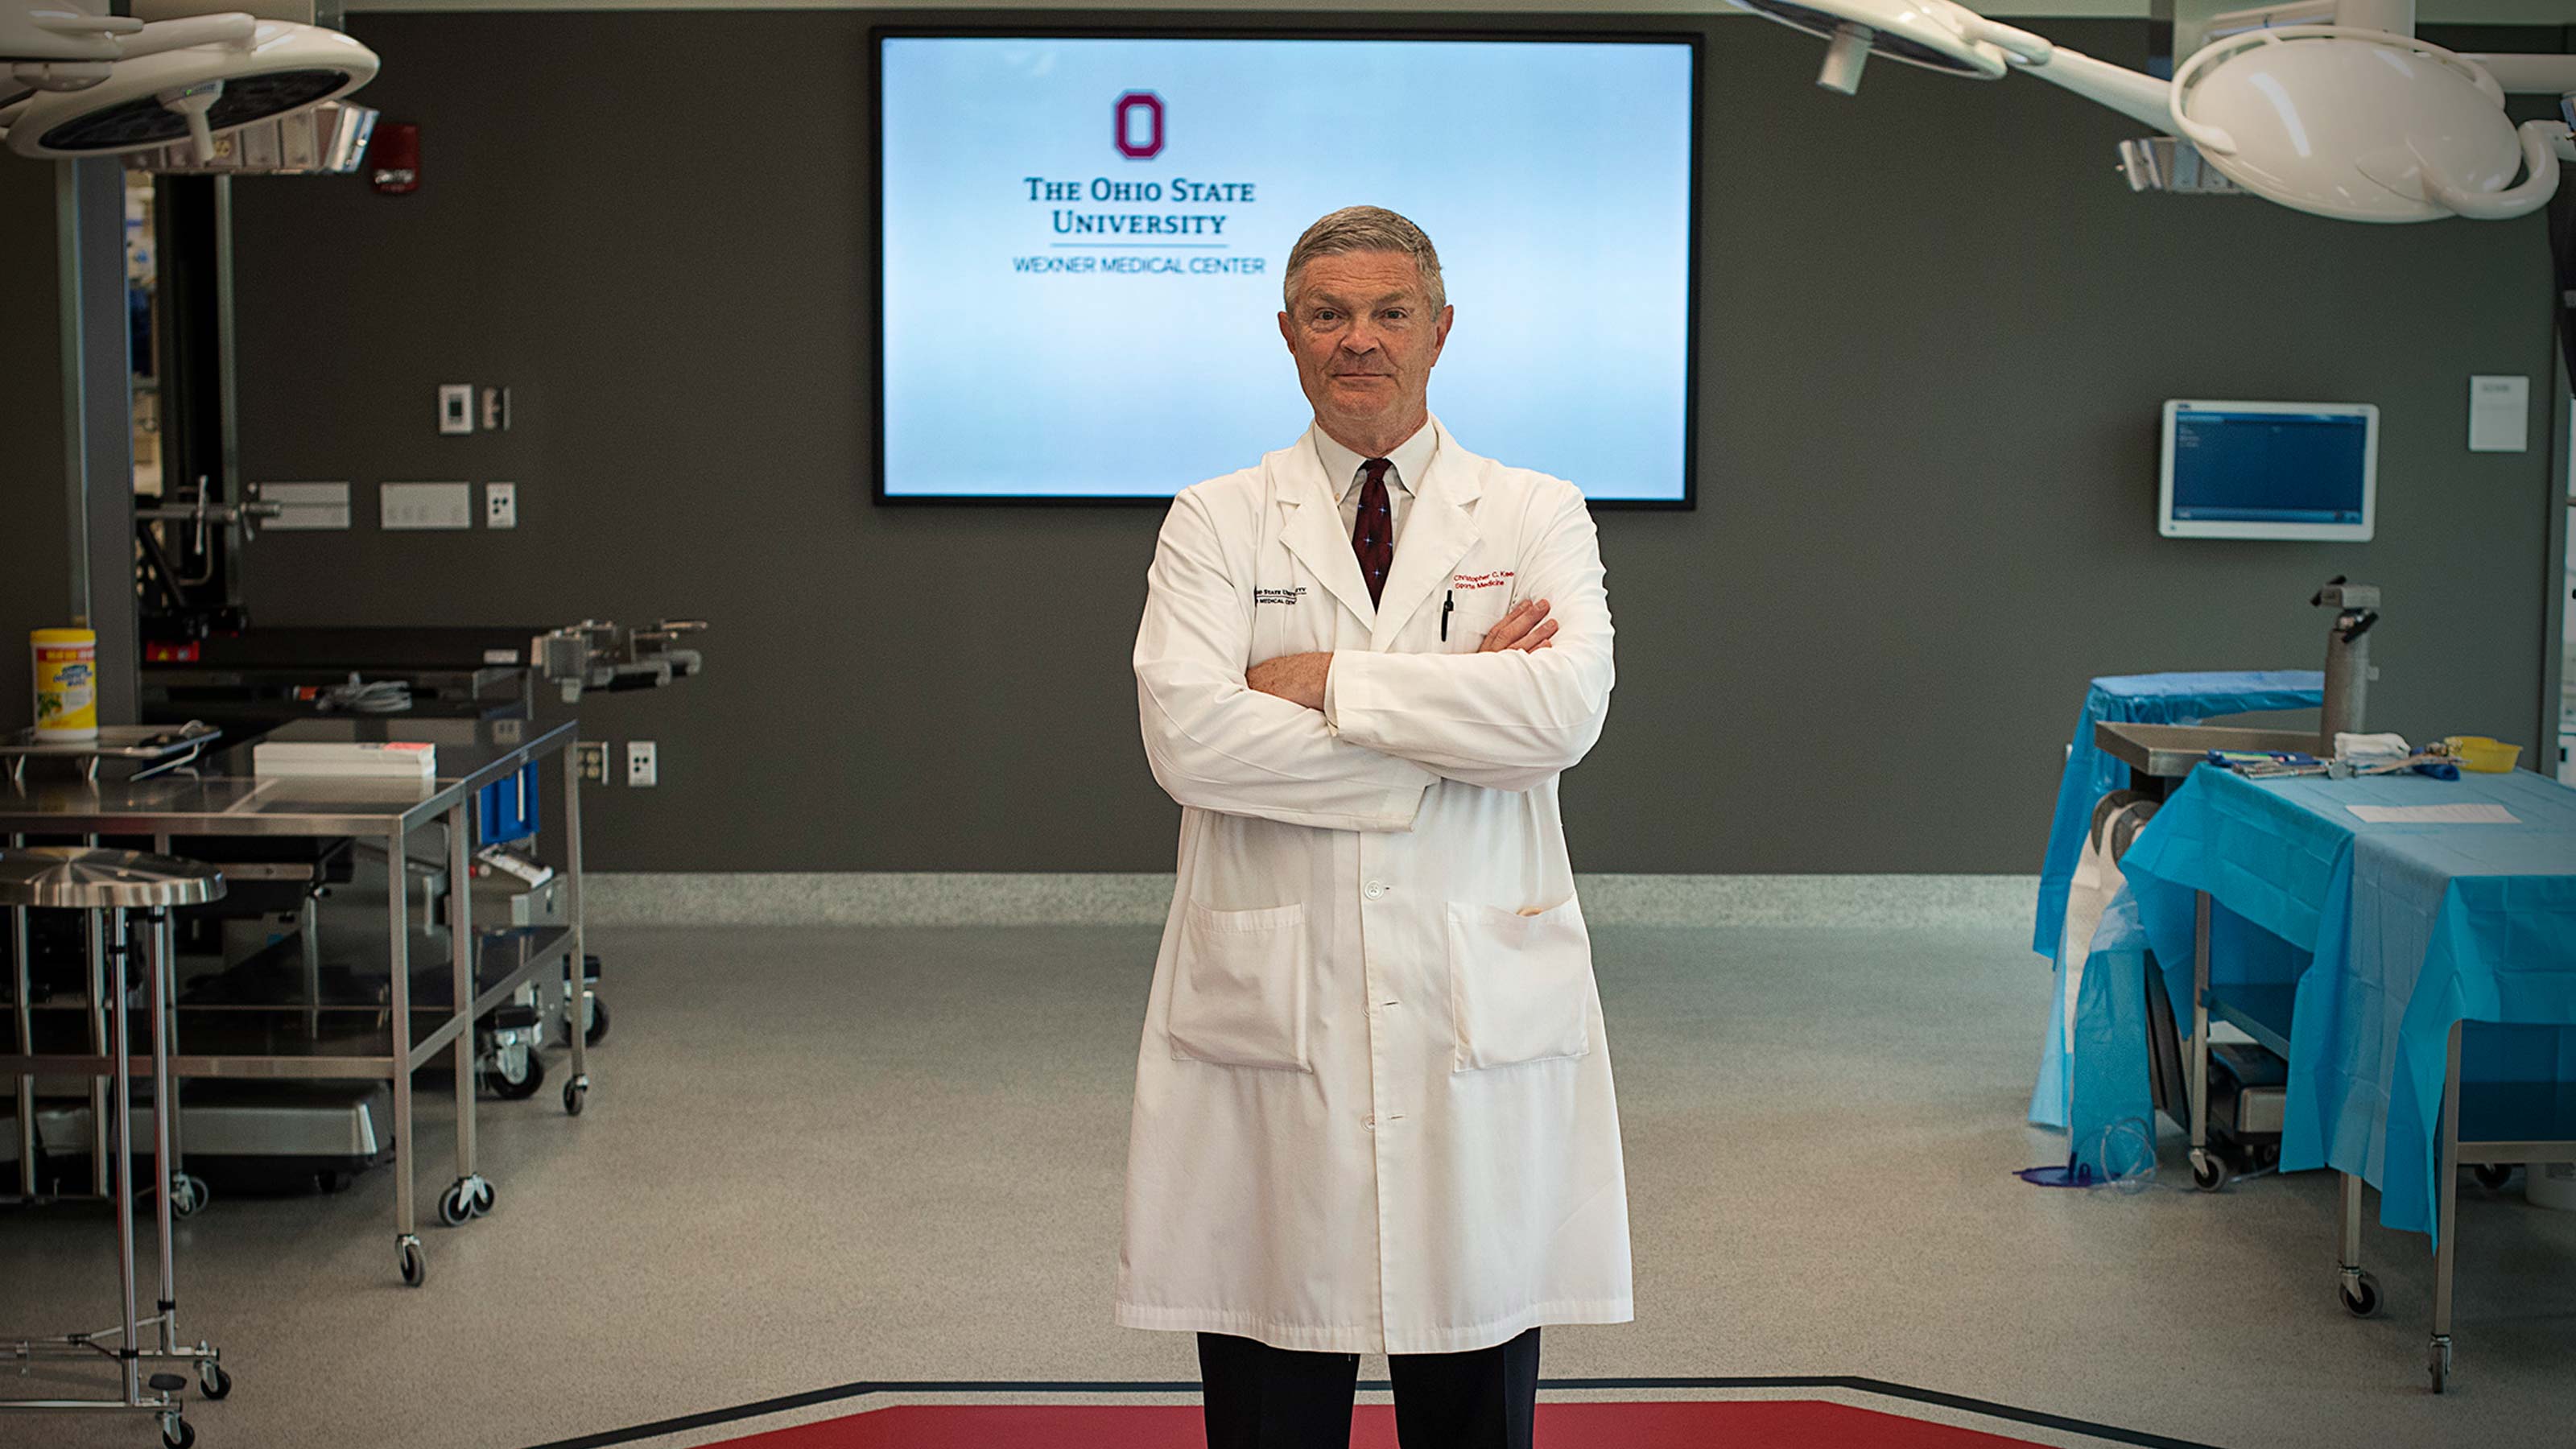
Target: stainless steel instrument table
[{"x": 311, "y": 1040}]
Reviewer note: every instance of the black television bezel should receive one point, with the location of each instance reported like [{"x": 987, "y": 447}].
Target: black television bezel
[{"x": 1197, "y": 25}]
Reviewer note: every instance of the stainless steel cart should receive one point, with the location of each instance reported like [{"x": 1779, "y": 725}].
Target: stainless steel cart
[
  {"x": 2530, "y": 1123},
  {"x": 388, "y": 1042}
]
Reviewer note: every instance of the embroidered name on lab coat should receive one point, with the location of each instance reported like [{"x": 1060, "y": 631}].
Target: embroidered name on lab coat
[
  {"x": 1481, "y": 581},
  {"x": 1278, "y": 596}
]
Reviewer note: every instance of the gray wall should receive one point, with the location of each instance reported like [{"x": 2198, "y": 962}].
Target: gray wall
[
  {"x": 44, "y": 467},
  {"x": 1935, "y": 333},
  {"x": 35, "y": 573}
]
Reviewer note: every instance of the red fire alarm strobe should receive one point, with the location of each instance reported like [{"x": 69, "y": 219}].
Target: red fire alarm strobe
[{"x": 393, "y": 158}]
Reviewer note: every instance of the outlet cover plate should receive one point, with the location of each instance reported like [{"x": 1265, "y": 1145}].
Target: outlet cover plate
[{"x": 426, "y": 505}]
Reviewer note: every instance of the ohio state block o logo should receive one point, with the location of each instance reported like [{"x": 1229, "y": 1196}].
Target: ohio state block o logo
[{"x": 1125, "y": 122}]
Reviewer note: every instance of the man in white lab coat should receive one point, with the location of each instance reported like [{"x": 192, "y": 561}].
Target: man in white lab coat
[{"x": 1373, "y": 1103}]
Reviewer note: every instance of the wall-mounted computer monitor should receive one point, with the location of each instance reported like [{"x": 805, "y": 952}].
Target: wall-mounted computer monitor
[
  {"x": 2270, "y": 470},
  {"x": 1081, "y": 237}
]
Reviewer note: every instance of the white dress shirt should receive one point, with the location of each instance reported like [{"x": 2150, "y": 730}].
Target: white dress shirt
[{"x": 1411, "y": 458}]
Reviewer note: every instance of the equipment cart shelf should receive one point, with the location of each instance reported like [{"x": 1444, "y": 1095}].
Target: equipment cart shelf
[{"x": 2530, "y": 1123}]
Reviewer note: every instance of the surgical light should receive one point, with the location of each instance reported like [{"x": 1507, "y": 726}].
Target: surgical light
[
  {"x": 189, "y": 78},
  {"x": 2342, "y": 121}
]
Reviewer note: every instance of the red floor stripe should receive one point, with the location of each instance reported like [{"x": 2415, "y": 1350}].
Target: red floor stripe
[{"x": 1757, "y": 1424}]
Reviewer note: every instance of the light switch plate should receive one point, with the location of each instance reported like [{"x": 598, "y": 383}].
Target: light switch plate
[
  {"x": 455, "y": 407},
  {"x": 500, "y": 505},
  {"x": 303, "y": 506},
  {"x": 426, "y": 505}
]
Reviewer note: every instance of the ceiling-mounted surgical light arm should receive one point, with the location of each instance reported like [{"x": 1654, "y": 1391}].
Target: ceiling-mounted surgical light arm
[
  {"x": 2541, "y": 143},
  {"x": 234, "y": 30},
  {"x": 61, "y": 46},
  {"x": 2532, "y": 74},
  {"x": 2539, "y": 75},
  {"x": 2142, "y": 98}
]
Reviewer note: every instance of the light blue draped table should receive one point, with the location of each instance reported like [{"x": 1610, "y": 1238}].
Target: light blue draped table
[{"x": 2399, "y": 952}]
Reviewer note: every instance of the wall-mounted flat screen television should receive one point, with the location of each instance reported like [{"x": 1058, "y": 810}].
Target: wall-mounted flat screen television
[{"x": 1081, "y": 237}]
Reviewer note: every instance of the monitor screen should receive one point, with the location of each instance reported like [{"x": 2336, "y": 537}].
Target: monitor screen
[
  {"x": 2269, "y": 470},
  {"x": 1081, "y": 242}
]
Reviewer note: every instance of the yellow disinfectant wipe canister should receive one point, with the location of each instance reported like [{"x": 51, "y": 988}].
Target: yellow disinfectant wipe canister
[{"x": 66, "y": 684}]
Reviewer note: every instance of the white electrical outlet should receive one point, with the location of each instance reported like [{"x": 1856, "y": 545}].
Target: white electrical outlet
[
  {"x": 641, "y": 771},
  {"x": 456, "y": 407},
  {"x": 425, "y": 505},
  {"x": 500, "y": 505},
  {"x": 591, "y": 758}
]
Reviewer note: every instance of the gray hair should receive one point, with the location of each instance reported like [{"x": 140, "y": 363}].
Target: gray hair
[{"x": 1364, "y": 229}]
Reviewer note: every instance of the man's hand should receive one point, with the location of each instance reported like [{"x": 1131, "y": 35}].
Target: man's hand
[
  {"x": 1296, "y": 678},
  {"x": 1522, "y": 628}
]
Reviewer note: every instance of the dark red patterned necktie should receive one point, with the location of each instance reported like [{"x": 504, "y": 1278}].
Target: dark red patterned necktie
[{"x": 1373, "y": 535}]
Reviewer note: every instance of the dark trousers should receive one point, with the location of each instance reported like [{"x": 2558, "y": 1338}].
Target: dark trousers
[{"x": 1259, "y": 1397}]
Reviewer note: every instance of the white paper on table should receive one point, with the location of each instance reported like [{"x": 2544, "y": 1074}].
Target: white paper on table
[{"x": 2435, "y": 814}]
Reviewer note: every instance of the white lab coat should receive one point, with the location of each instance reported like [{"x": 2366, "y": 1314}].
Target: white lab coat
[{"x": 1373, "y": 1102}]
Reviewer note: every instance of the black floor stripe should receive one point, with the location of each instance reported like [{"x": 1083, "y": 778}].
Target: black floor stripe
[{"x": 714, "y": 1417}]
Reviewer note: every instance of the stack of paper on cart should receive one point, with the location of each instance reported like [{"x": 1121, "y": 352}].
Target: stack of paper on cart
[{"x": 388, "y": 760}]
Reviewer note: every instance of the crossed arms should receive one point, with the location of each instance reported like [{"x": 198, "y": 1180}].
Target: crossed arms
[{"x": 1253, "y": 737}]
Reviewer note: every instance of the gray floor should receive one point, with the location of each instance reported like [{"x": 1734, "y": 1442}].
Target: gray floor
[{"x": 818, "y": 1156}]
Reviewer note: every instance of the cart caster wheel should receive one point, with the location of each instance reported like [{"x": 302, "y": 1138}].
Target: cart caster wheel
[
  {"x": 331, "y": 1182},
  {"x": 466, "y": 1199},
  {"x": 576, "y": 1094},
  {"x": 187, "y": 1195},
  {"x": 524, "y": 1087},
  {"x": 415, "y": 1267},
  {"x": 2440, "y": 1364},
  {"x": 597, "y": 1031},
  {"x": 2493, "y": 1175},
  {"x": 2208, "y": 1172},
  {"x": 2360, "y": 1296},
  {"x": 178, "y": 1434},
  {"x": 213, "y": 1382}
]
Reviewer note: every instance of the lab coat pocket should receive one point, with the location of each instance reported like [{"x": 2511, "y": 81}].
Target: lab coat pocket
[
  {"x": 1520, "y": 987},
  {"x": 1469, "y": 626},
  {"x": 1239, "y": 988}
]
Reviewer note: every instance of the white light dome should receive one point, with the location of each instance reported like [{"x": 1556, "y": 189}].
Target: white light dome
[{"x": 2358, "y": 125}]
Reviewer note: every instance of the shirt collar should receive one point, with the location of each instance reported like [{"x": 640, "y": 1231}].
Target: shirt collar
[{"x": 1412, "y": 460}]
